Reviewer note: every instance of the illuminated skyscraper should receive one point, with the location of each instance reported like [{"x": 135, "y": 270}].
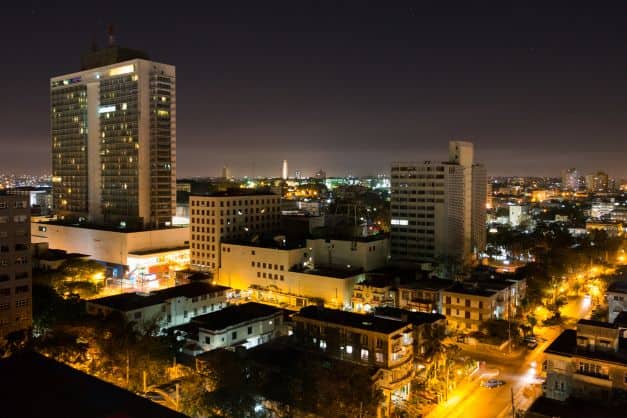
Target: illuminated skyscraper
[
  {"x": 438, "y": 209},
  {"x": 113, "y": 129},
  {"x": 284, "y": 170}
]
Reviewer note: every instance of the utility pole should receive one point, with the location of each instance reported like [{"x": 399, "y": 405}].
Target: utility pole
[
  {"x": 513, "y": 407},
  {"x": 144, "y": 379}
]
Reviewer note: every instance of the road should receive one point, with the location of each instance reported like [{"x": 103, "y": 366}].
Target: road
[{"x": 471, "y": 399}]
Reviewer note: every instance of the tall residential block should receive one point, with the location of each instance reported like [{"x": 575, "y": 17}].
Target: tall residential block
[
  {"x": 15, "y": 264},
  {"x": 570, "y": 179},
  {"x": 113, "y": 132},
  {"x": 438, "y": 208},
  {"x": 231, "y": 215}
]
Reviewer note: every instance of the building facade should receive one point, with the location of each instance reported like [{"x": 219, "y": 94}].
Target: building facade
[
  {"x": 364, "y": 339},
  {"x": 113, "y": 132},
  {"x": 589, "y": 362},
  {"x": 438, "y": 209},
  {"x": 15, "y": 264},
  {"x": 616, "y": 296},
  {"x": 225, "y": 216},
  {"x": 163, "y": 308}
]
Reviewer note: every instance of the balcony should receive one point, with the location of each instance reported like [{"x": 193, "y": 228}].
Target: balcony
[{"x": 593, "y": 379}]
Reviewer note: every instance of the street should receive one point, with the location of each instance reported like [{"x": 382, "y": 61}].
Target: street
[{"x": 470, "y": 399}]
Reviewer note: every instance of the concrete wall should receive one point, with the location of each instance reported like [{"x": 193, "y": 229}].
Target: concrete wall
[{"x": 107, "y": 246}]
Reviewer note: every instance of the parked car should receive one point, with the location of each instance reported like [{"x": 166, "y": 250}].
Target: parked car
[
  {"x": 531, "y": 345},
  {"x": 492, "y": 383}
]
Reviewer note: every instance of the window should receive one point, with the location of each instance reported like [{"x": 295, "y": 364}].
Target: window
[
  {"x": 323, "y": 344},
  {"x": 364, "y": 354},
  {"x": 234, "y": 335},
  {"x": 184, "y": 314},
  {"x": 250, "y": 330},
  {"x": 137, "y": 315},
  {"x": 349, "y": 349},
  {"x": 207, "y": 340},
  {"x": 378, "y": 357}
]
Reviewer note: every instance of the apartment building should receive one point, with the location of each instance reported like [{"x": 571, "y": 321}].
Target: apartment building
[
  {"x": 372, "y": 293},
  {"x": 247, "y": 325},
  {"x": 163, "y": 308},
  {"x": 438, "y": 209},
  {"x": 588, "y": 362},
  {"x": 363, "y": 339},
  {"x": 15, "y": 264},
  {"x": 113, "y": 134},
  {"x": 466, "y": 307},
  {"x": 423, "y": 295},
  {"x": 616, "y": 295},
  {"x": 234, "y": 214}
]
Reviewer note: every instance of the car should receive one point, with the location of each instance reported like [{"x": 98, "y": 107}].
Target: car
[
  {"x": 492, "y": 383},
  {"x": 531, "y": 338},
  {"x": 532, "y": 345}
]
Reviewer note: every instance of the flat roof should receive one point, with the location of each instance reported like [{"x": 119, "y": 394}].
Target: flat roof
[
  {"x": 110, "y": 228},
  {"x": 574, "y": 408},
  {"x": 233, "y": 315},
  {"x": 40, "y": 387},
  {"x": 351, "y": 319},
  {"x": 132, "y": 300},
  {"x": 337, "y": 272},
  {"x": 159, "y": 250},
  {"x": 268, "y": 243},
  {"x": 236, "y": 193},
  {"x": 415, "y": 318},
  {"x": 428, "y": 284},
  {"x": 566, "y": 345},
  {"x": 470, "y": 290},
  {"x": 618, "y": 287}
]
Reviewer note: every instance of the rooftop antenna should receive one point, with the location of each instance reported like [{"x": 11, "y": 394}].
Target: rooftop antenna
[{"x": 111, "y": 36}]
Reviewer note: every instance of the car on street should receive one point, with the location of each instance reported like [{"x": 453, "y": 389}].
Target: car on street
[
  {"x": 492, "y": 383},
  {"x": 531, "y": 345}
]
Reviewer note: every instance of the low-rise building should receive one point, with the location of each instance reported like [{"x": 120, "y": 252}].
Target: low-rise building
[
  {"x": 122, "y": 250},
  {"x": 426, "y": 326},
  {"x": 467, "y": 306},
  {"x": 285, "y": 273},
  {"x": 613, "y": 229},
  {"x": 369, "y": 252},
  {"x": 372, "y": 293},
  {"x": 587, "y": 362},
  {"x": 247, "y": 325},
  {"x": 165, "y": 308},
  {"x": 363, "y": 339},
  {"x": 616, "y": 299},
  {"x": 423, "y": 295}
]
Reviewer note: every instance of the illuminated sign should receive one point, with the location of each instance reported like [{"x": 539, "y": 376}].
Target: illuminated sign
[
  {"x": 106, "y": 109},
  {"x": 125, "y": 69}
]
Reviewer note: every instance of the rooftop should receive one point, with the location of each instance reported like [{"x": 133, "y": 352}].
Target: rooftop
[
  {"x": 130, "y": 301},
  {"x": 566, "y": 345},
  {"x": 618, "y": 287},
  {"x": 470, "y": 290},
  {"x": 233, "y": 315},
  {"x": 429, "y": 284},
  {"x": 415, "y": 318},
  {"x": 573, "y": 408},
  {"x": 352, "y": 320},
  {"x": 101, "y": 227},
  {"x": 159, "y": 250},
  {"x": 268, "y": 243},
  {"x": 34, "y": 391},
  {"x": 338, "y": 272},
  {"x": 237, "y": 192}
]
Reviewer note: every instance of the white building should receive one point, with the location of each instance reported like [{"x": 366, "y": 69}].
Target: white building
[
  {"x": 247, "y": 325},
  {"x": 438, "y": 209},
  {"x": 123, "y": 249},
  {"x": 616, "y": 295},
  {"x": 287, "y": 275},
  {"x": 368, "y": 253},
  {"x": 234, "y": 214},
  {"x": 517, "y": 215},
  {"x": 113, "y": 129},
  {"x": 164, "y": 308}
]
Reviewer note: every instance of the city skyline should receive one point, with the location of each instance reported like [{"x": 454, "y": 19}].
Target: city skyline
[{"x": 310, "y": 85}]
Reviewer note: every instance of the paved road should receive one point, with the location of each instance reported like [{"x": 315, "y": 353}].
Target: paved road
[{"x": 473, "y": 400}]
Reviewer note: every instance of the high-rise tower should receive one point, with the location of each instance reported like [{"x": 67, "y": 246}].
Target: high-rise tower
[
  {"x": 113, "y": 129},
  {"x": 438, "y": 209}
]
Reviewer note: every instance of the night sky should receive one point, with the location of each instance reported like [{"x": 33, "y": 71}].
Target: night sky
[{"x": 344, "y": 88}]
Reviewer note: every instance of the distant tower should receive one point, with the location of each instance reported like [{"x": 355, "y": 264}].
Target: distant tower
[
  {"x": 226, "y": 173},
  {"x": 284, "y": 173}
]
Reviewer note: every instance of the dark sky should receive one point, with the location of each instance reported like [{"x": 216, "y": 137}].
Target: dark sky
[{"x": 345, "y": 88}]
